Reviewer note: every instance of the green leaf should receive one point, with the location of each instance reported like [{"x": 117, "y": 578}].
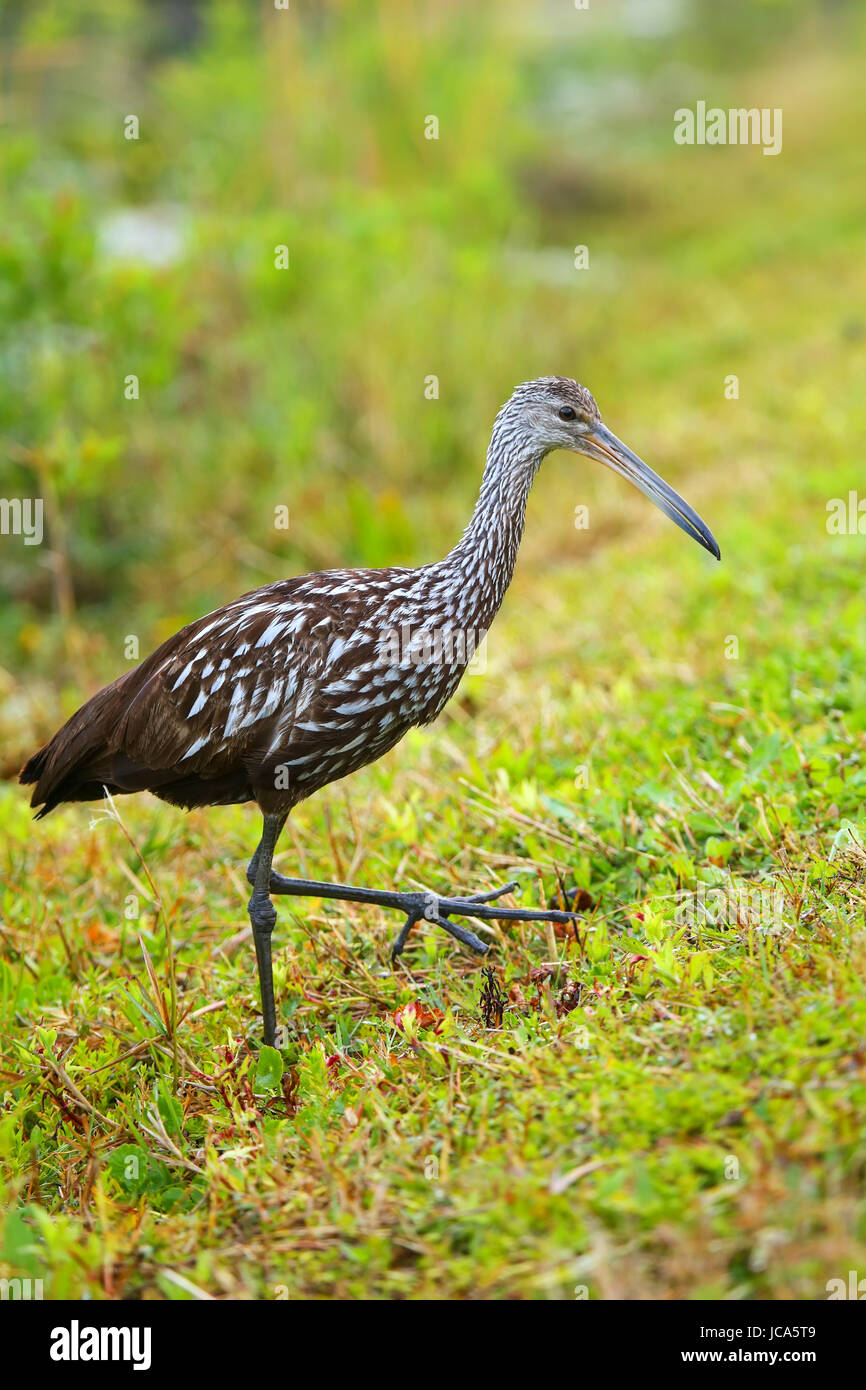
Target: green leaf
[
  {"x": 269, "y": 1071},
  {"x": 719, "y": 849},
  {"x": 170, "y": 1112}
]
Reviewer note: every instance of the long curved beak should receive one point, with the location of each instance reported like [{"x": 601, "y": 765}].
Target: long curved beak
[{"x": 602, "y": 444}]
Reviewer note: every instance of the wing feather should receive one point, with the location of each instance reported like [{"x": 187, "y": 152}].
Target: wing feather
[{"x": 283, "y": 672}]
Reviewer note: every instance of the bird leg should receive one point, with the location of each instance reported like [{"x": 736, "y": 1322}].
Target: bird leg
[
  {"x": 422, "y": 906},
  {"x": 263, "y": 917}
]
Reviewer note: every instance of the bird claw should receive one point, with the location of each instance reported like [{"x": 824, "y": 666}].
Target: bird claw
[
  {"x": 421, "y": 906},
  {"x": 494, "y": 893},
  {"x": 462, "y": 934}
]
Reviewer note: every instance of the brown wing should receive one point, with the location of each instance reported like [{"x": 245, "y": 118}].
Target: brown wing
[{"x": 194, "y": 720}]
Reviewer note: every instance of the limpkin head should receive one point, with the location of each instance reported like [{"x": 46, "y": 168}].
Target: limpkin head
[{"x": 555, "y": 412}]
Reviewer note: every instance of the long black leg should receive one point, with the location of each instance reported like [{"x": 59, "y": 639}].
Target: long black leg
[
  {"x": 263, "y": 916},
  {"x": 417, "y": 906}
]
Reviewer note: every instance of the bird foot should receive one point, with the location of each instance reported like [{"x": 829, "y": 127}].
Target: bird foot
[
  {"x": 421, "y": 907},
  {"x": 429, "y": 907}
]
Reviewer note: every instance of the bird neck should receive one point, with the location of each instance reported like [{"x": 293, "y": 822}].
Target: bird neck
[{"x": 482, "y": 562}]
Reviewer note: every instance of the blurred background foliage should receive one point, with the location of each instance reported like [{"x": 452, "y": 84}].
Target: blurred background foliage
[{"x": 408, "y": 257}]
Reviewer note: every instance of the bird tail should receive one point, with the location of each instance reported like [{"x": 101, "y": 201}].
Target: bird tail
[{"x": 70, "y": 765}]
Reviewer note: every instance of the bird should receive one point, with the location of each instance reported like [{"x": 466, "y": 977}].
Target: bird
[{"x": 301, "y": 682}]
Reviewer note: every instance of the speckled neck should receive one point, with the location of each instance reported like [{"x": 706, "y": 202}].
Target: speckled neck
[{"x": 481, "y": 565}]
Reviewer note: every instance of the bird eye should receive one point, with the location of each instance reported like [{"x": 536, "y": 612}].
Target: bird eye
[{"x": 566, "y": 413}]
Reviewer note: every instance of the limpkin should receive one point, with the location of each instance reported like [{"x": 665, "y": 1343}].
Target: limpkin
[{"x": 303, "y": 681}]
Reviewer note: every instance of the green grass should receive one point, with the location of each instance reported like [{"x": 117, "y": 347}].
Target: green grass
[
  {"x": 689, "y": 1123},
  {"x": 693, "y": 1128}
]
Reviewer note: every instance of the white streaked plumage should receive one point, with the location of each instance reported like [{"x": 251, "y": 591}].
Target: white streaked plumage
[{"x": 323, "y": 673}]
